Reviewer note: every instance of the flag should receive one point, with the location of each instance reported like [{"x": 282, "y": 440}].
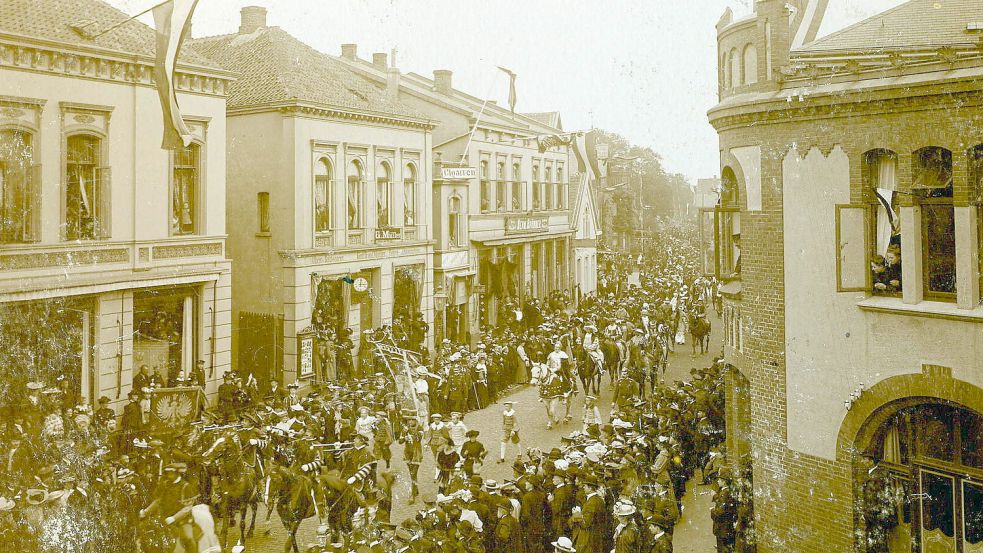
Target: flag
[
  {"x": 547, "y": 141},
  {"x": 585, "y": 148},
  {"x": 511, "y": 87},
  {"x": 172, "y": 21}
]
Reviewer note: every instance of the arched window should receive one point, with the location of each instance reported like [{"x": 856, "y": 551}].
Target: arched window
[
  {"x": 932, "y": 183},
  {"x": 20, "y": 198},
  {"x": 516, "y": 187},
  {"x": 356, "y": 182},
  {"x": 455, "y": 231},
  {"x": 750, "y": 64},
  {"x": 409, "y": 194},
  {"x": 485, "y": 193},
  {"x": 323, "y": 192},
  {"x": 86, "y": 194},
  {"x": 725, "y": 77},
  {"x": 729, "y": 226},
  {"x": 383, "y": 194},
  {"x": 735, "y": 68},
  {"x": 879, "y": 172}
]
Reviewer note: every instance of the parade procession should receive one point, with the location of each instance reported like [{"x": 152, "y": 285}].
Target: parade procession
[{"x": 552, "y": 277}]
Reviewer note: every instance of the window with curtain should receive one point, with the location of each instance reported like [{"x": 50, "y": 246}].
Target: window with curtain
[
  {"x": 485, "y": 193},
  {"x": 409, "y": 194},
  {"x": 185, "y": 190},
  {"x": 548, "y": 186},
  {"x": 86, "y": 208},
  {"x": 356, "y": 181},
  {"x": 500, "y": 187},
  {"x": 323, "y": 193},
  {"x": 880, "y": 183},
  {"x": 19, "y": 196},
  {"x": 454, "y": 230},
  {"x": 932, "y": 181},
  {"x": 516, "y": 187},
  {"x": 383, "y": 194}
]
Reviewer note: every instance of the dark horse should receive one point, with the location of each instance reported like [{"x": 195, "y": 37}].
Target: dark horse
[
  {"x": 297, "y": 493},
  {"x": 236, "y": 485},
  {"x": 588, "y": 370},
  {"x": 699, "y": 328},
  {"x": 613, "y": 357}
]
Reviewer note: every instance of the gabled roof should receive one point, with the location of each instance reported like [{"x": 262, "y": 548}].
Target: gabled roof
[
  {"x": 550, "y": 118},
  {"x": 51, "y": 20},
  {"x": 274, "y": 67},
  {"x": 914, "y": 24}
]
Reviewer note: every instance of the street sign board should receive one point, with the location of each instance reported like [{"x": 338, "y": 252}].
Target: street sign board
[{"x": 456, "y": 173}]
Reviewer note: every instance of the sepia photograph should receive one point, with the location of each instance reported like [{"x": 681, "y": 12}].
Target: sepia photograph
[{"x": 491, "y": 276}]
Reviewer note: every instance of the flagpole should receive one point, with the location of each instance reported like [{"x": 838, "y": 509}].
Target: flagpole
[
  {"x": 478, "y": 119},
  {"x": 125, "y": 21}
]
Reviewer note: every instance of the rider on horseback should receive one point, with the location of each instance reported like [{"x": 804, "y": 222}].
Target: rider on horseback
[{"x": 176, "y": 498}]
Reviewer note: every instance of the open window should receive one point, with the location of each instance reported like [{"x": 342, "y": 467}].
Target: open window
[
  {"x": 20, "y": 193},
  {"x": 409, "y": 195},
  {"x": 516, "y": 187},
  {"x": 88, "y": 192},
  {"x": 727, "y": 224},
  {"x": 932, "y": 183},
  {"x": 879, "y": 172},
  {"x": 323, "y": 192},
  {"x": 383, "y": 194},
  {"x": 356, "y": 182},
  {"x": 852, "y": 273}
]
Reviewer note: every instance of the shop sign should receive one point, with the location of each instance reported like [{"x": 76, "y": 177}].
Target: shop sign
[
  {"x": 388, "y": 234},
  {"x": 305, "y": 359},
  {"x": 458, "y": 173},
  {"x": 523, "y": 224}
]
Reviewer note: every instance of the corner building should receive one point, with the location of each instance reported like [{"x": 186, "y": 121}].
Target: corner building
[{"x": 848, "y": 240}]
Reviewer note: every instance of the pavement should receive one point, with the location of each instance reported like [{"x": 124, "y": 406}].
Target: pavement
[{"x": 693, "y": 531}]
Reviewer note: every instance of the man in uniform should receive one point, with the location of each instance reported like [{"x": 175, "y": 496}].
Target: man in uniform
[
  {"x": 412, "y": 440},
  {"x": 534, "y": 515},
  {"x": 226, "y": 396},
  {"x": 198, "y": 374},
  {"x": 131, "y": 423}
]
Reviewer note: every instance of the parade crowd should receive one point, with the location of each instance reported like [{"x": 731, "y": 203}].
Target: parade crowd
[{"x": 77, "y": 480}]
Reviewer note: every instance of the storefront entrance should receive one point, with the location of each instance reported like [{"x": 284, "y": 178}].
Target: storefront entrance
[
  {"x": 164, "y": 330},
  {"x": 924, "y": 493}
]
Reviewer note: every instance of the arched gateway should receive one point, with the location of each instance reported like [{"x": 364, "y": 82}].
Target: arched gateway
[{"x": 917, "y": 465}]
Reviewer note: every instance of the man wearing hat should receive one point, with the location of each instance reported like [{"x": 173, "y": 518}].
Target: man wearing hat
[
  {"x": 508, "y": 534},
  {"x": 412, "y": 440},
  {"x": 534, "y": 515},
  {"x": 473, "y": 452},
  {"x": 131, "y": 423},
  {"x": 226, "y": 396},
  {"x": 562, "y": 498},
  {"x": 589, "y": 521},
  {"x": 563, "y": 545},
  {"x": 627, "y": 538}
]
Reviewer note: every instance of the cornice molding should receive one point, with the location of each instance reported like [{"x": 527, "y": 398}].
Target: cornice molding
[
  {"x": 64, "y": 61},
  {"x": 326, "y": 112}
]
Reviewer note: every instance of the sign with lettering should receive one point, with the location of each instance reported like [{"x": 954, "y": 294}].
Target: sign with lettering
[
  {"x": 388, "y": 234},
  {"x": 526, "y": 223},
  {"x": 305, "y": 359},
  {"x": 458, "y": 172}
]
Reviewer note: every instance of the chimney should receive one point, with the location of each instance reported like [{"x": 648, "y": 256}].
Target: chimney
[
  {"x": 252, "y": 18},
  {"x": 379, "y": 60},
  {"x": 442, "y": 80},
  {"x": 392, "y": 83},
  {"x": 349, "y": 51}
]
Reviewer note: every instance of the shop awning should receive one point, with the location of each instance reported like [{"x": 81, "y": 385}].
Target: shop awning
[{"x": 524, "y": 239}]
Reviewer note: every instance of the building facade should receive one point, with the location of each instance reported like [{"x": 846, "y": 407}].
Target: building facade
[
  {"x": 112, "y": 250},
  {"x": 504, "y": 229},
  {"x": 848, "y": 236},
  {"x": 329, "y": 182}
]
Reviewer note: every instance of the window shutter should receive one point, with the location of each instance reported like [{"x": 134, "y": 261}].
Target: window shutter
[
  {"x": 852, "y": 266},
  {"x": 104, "y": 191},
  {"x": 32, "y": 204}
]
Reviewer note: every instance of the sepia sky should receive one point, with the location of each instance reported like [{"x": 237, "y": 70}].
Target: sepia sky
[{"x": 643, "y": 68}]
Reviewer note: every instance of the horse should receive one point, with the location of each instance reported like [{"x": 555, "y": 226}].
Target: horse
[
  {"x": 699, "y": 328},
  {"x": 588, "y": 370},
  {"x": 300, "y": 497},
  {"x": 237, "y": 488},
  {"x": 613, "y": 357}
]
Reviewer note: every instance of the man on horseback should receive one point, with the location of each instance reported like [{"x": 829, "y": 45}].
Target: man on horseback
[
  {"x": 592, "y": 347},
  {"x": 176, "y": 499}
]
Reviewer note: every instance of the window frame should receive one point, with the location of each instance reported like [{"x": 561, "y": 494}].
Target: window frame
[
  {"x": 30, "y": 201},
  {"x": 384, "y": 190},
  {"x": 410, "y": 179},
  {"x": 263, "y": 212},
  {"x": 454, "y": 217},
  {"x": 196, "y": 195},
  {"x": 102, "y": 187},
  {"x": 865, "y": 225},
  {"x": 516, "y": 196},
  {"x": 484, "y": 192},
  {"x": 927, "y": 292},
  {"x": 870, "y": 182},
  {"x": 329, "y": 187},
  {"x": 355, "y": 181}
]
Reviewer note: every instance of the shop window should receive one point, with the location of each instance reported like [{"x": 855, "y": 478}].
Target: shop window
[
  {"x": 185, "y": 190},
  {"x": 534, "y": 182},
  {"x": 323, "y": 194},
  {"x": 356, "y": 183},
  {"x": 879, "y": 172},
  {"x": 383, "y": 194},
  {"x": 164, "y": 327},
  {"x": 263, "y": 208},
  {"x": 409, "y": 194},
  {"x": 454, "y": 221},
  {"x": 485, "y": 193},
  {"x": 516, "y": 187},
  {"x": 20, "y": 188},
  {"x": 88, "y": 191},
  {"x": 932, "y": 181}
]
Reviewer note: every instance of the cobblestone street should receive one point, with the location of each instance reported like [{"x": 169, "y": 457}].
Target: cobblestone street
[{"x": 693, "y": 531}]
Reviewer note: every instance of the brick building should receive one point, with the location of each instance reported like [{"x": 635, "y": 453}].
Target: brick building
[
  {"x": 848, "y": 237},
  {"x": 115, "y": 247}
]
